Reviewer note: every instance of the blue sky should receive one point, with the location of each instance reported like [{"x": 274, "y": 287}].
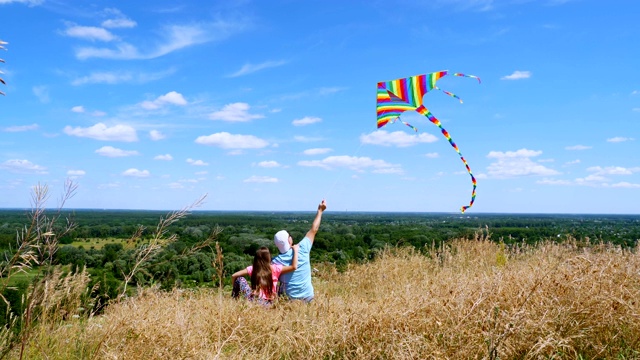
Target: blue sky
[{"x": 270, "y": 105}]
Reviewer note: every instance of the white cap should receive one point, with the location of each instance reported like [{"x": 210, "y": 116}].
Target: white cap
[{"x": 282, "y": 241}]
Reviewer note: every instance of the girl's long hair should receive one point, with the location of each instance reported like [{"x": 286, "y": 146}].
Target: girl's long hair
[{"x": 261, "y": 275}]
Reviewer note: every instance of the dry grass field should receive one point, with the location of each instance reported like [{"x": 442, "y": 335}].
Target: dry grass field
[{"x": 472, "y": 299}]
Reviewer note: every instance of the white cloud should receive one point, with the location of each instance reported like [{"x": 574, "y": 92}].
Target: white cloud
[
  {"x": 592, "y": 177},
  {"x": 317, "y": 151},
  {"x": 173, "y": 38},
  {"x": 226, "y": 140},
  {"x": 517, "y": 75},
  {"x": 23, "y": 167},
  {"x": 388, "y": 170},
  {"x": 113, "y": 185},
  {"x": 269, "y": 164},
  {"x": 110, "y": 151},
  {"x": 98, "y": 113},
  {"x": 554, "y": 182},
  {"x": 598, "y": 177},
  {"x": 618, "y": 139},
  {"x": 307, "y": 120},
  {"x": 27, "y": 2},
  {"x": 251, "y": 68},
  {"x": 118, "y": 77},
  {"x": 261, "y": 179},
  {"x": 133, "y": 172},
  {"x": 578, "y": 147},
  {"x": 635, "y": 92},
  {"x": 156, "y": 135},
  {"x": 300, "y": 138},
  {"x": 626, "y": 185},
  {"x": 172, "y": 97},
  {"x": 513, "y": 154},
  {"x": 77, "y": 109},
  {"x": 175, "y": 185},
  {"x": 101, "y": 131},
  {"x": 396, "y": 138},
  {"x": 432, "y": 155},
  {"x": 197, "y": 162},
  {"x": 511, "y": 164},
  {"x": 103, "y": 78},
  {"x": 126, "y": 51},
  {"x": 76, "y": 173},
  {"x": 20, "y": 128},
  {"x": 181, "y": 36},
  {"x": 166, "y": 157},
  {"x": 90, "y": 33},
  {"x": 359, "y": 164},
  {"x": 613, "y": 170},
  {"x": 119, "y": 23},
  {"x": 42, "y": 93},
  {"x": 636, "y": 109},
  {"x": 117, "y": 20},
  {"x": 236, "y": 112},
  {"x": 572, "y": 162}
]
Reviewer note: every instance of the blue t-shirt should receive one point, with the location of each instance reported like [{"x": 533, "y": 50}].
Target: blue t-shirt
[{"x": 297, "y": 283}]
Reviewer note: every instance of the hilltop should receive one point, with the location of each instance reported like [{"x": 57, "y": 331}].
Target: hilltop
[{"x": 466, "y": 299}]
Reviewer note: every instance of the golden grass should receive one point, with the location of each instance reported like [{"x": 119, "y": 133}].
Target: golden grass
[{"x": 471, "y": 299}]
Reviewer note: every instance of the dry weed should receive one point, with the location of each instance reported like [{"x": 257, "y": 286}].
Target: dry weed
[
  {"x": 470, "y": 299},
  {"x": 35, "y": 246}
]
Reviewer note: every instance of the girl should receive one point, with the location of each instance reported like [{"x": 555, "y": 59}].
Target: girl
[{"x": 264, "y": 277}]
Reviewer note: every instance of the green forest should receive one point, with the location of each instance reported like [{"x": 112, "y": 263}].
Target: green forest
[{"x": 121, "y": 251}]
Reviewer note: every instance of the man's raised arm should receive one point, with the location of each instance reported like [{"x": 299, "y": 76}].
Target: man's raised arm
[{"x": 315, "y": 226}]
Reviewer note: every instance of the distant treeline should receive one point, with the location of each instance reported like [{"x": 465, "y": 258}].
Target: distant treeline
[{"x": 99, "y": 239}]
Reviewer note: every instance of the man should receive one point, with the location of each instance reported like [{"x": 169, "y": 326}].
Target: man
[{"x": 297, "y": 284}]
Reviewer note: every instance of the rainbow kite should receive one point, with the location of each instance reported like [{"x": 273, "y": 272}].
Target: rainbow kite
[{"x": 400, "y": 95}]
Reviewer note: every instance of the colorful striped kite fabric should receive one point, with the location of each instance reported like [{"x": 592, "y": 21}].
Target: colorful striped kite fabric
[{"x": 397, "y": 96}]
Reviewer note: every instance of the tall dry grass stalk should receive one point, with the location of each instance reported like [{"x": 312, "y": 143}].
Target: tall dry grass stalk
[
  {"x": 470, "y": 299},
  {"x": 52, "y": 294},
  {"x": 55, "y": 298},
  {"x": 37, "y": 242},
  {"x": 159, "y": 239}
]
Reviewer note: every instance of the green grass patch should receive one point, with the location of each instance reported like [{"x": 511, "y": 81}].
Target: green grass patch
[
  {"x": 28, "y": 275},
  {"x": 23, "y": 276}
]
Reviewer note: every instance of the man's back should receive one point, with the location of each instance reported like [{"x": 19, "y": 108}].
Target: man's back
[{"x": 297, "y": 284}]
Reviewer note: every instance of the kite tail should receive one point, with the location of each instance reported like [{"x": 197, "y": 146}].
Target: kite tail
[
  {"x": 424, "y": 111},
  {"x": 452, "y": 94},
  {"x": 449, "y": 93},
  {"x": 473, "y": 192},
  {"x": 406, "y": 123},
  {"x": 469, "y": 76}
]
